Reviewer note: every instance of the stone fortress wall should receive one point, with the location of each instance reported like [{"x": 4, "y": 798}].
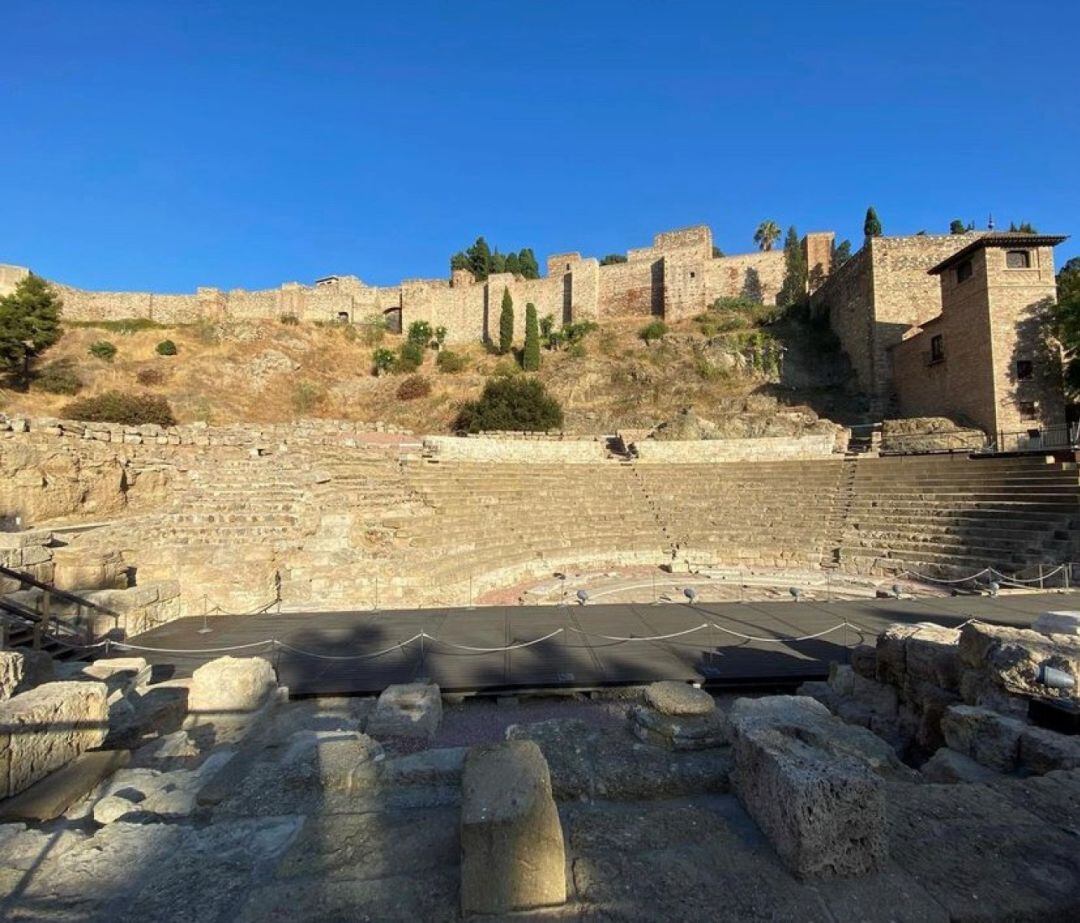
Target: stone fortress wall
[{"x": 676, "y": 277}]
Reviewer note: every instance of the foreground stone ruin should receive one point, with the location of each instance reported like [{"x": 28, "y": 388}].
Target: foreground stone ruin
[{"x": 912, "y": 785}]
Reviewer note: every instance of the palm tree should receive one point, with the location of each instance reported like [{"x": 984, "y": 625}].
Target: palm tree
[{"x": 767, "y": 233}]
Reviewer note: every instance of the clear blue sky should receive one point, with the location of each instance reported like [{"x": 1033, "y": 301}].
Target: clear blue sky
[{"x": 164, "y": 145}]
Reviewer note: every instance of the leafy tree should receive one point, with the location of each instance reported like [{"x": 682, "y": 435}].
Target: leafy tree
[
  {"x": 410, "y": 357},
  {"x": 767, "y": 234},
  {"x": 513, "y": 264},
  {"x": 1025, "y": 227},
  {"x": 1065, "y": 323},
  {"x": 872, "y": 225},
  {"x": 841, "y": 253},
  {"x": 383, "y": 360},
  {"x": 717, "y": 252},
  {"x": 530, "y": 360},
  {"x": 612, "y": 258},
  {"x": 419, "y": 332},
  {"x": 506, "y": 323},
  {"x": 460, "y": 261},
  {"x": 511, "y": 403},
  {"x": 482, "y": 262},
  {"x": 498, "y": 262},
  {"x": 479, "y": 255},
  {"x": 956, "y": 226},
  {"x": 29, "y": 324},
  {"x": 793, "y": 288}
]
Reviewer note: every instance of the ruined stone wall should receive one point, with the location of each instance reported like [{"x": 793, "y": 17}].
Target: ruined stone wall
[
  {"x": 634, "y": 288},
  {"x": 551, "y": 294},
  {"x": 847, "y": 300},
  {"x": 517, "y": 451},
  {"x": 462, "y": 309},
  {"x": 10, "y": 276},
  {"x": 757, "y": 276},
  {"x": 765, "y": 448}
]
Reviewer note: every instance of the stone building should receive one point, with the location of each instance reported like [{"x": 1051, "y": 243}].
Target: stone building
[
  {"x": 678, "y": 276},
  {"x": 984, "y": 357}
]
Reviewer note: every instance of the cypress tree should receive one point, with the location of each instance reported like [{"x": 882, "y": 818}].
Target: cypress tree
[
  {"x": 793, "y": 288},
  {"x": 531, "y": 359},
  {"x": 506, "y": 323},
  {"x": 871, "y": 226},
  {"x": 480, "y": 259},
  {"x": 530, "y": 269}
]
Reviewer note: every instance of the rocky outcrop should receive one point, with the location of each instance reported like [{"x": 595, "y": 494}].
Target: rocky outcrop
[
  {"x": 929, "y": 434},
  {"x": 512, "y": 852}
]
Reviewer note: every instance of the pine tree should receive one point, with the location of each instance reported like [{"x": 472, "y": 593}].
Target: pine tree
[
  {"x": 841, "y": 253},
  {"x": 793, "y": 288},
  {"x": 459, "y": 261},
  {"x": 872, "y": 226},
  {"x": 513, "y": 264},
  {"x": 29, "y": 324},
  {"x": 506, "y": 323},
  {"x": 498, "y": 262},
  {"x": 531, "y": 359},
  {"x": 956, "y": 226}
]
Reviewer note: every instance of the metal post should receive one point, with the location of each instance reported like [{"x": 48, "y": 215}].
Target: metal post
[
  {"x": 1068, "y": 573},
  {"x": 1041, "y": 584},
  {"x": 376, "y": 609},
  {"x": 205, "y": 630},
  {"x": 471, "y": 605}
]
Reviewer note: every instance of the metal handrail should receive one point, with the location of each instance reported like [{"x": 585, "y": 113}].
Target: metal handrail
[{"x": 59, "y": 594}]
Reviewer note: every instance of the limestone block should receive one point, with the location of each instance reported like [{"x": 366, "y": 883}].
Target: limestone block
[
  {"x": 119, "y": 674},
  {"x": 948, "y": 766},
  {"x": 407, "y": 710},
  {"x": 891, "y": 653},
  {"x": 47, "y": 727},
  {"x": 77, "y": 568},
  {"x": 1012, "y": 658},
  {"x": 692, "y": 732},
  {"x": 671, "y": 698},
  {"x": 231, "y": 684},
  {"x": 932, "y": 655},
  {"x": 512, "y": 852},
  {"x": 986, "y": 736},
  {"x": 11, "y": 673},
  {"x": 824, "y": 814},
  {"x": 977, "y": 688},
  {"x": 1058, "y": 623},
  {"x": 1043, "y": 751}
]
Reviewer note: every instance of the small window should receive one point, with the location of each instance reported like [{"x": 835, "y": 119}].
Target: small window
[
  {"x": 963, "y": 271},
  {"x": 937, "y": 348},
  {"x": 1018, "y": 259},
  {"x": 567, "y": 265},
  {"x": 1029, "y": 410},
  {"x": 1025, "y": 370},
  {"x": 692, "y": 275},
  {"x": 343, "y": 317}
]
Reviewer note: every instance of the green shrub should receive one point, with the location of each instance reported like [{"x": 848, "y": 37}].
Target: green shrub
[
  {"x": 576, "y": 332},
  {"x": 450, "y": 362},
  {"x": 410, "y": 357},
  {"x": 58, "y": 377},
  {"x": 289, "y": 319},
  {"x": 505, "y": 369},
  {"x": 413, "y": 387},
  {"x": 118, "y": 407},
  {"x": 420, "y": 333},
  {"x": 306, "y": 396},
  {"x": 126, "y": 325},
  {"x": 150, "y": 376},
  {"x": 519, "y": 403},
  {"x": 440, "y": 337},
  {"x": 102, "y": 349},
  {"x": 383, "y": 360},
  {"x": 165, "y": 348},
  {"x": 373, "y": 329},
  {"x": 654, "y": 330},
  {"x": 577, "y": 350}
]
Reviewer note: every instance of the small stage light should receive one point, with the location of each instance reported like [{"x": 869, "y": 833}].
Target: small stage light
[
  {"x": 796, "y": 593},
  {"x": 582, "y": 597},
  {"x": 896, "y": 590},
  {"x": 994, "y": 587},
  {"x": 690, "y": 593}
]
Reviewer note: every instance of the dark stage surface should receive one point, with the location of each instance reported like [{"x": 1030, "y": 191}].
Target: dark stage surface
[{"x": 337, "y": 653}]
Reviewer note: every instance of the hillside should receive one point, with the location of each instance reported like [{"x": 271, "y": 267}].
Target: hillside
[{"x": 268, "y": 371}]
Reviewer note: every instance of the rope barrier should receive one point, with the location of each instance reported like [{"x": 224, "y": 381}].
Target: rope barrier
[
  {"x": 206, "y": 650},
  {"x": 288, "y": 647},
  {"x": 493, "y": 650},
  {"x": 1019, "y": 581},
  {"x": 676, "y": 634},
  {"x": 783, "y": 639},
  {"x": 928, "y": 578}
]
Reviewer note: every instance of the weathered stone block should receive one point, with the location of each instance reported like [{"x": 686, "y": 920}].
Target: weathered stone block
[
  {"x": 933, "y": 655},
  {"x": 891, "y": 653},
  {"x": 824, "y": 814},
  {"x": 671, "y": 698},
  {"x": 512, "y": 852},
  {"x": 77, "y": 568},
  {"x": 986, "y": 736},
  {"x": 11, "y": 673},
  {"x": 231, "y": 684},
  {"x": 692, "y": 732},
  {"x": 864, "y": 661},
  {"x": 1043, "y": 751},
  {"x": 407, "y": 710},
  {"x": 946, "y": 765},
  {"x": 1058, "y": 623},
  {"x": 47, "y": 727}
]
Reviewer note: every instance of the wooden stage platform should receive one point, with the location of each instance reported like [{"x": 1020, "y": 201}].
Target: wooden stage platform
[{"x": 340, "y": 653}]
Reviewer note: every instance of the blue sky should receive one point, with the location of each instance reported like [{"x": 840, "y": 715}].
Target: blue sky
[{"x": 165, "y": 145}]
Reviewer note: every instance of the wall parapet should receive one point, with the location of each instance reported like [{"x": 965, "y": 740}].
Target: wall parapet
[
  {"x": 764, "y": 448},
  {"x": 520, "y": 448}
]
